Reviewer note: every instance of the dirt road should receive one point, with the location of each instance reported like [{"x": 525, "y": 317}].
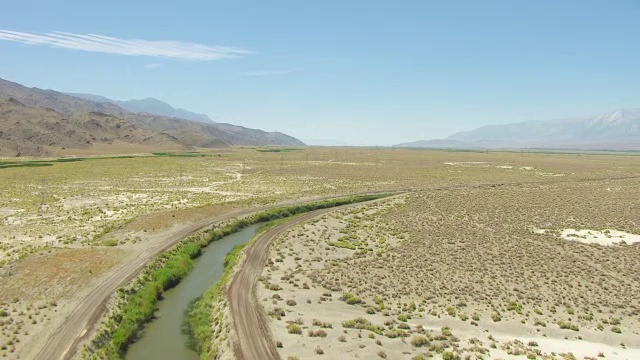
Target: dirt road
[
  {"x": 254, "y": 340},
  {"x": 63, "y": 344}
]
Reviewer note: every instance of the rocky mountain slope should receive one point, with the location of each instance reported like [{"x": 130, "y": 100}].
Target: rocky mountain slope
[
  {"x": 34, "y": 131},
  {"x": 39, "y": 122}
]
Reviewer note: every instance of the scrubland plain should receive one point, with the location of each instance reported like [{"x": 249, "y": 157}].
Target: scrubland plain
[
  {"x": 466, "y": 272},
  {"x": 469, "y": 262}
]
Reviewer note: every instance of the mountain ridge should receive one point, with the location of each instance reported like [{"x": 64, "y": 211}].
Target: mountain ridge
[
  {"x": 617, "y": 130},
  {"x": 148, "y": 105}
]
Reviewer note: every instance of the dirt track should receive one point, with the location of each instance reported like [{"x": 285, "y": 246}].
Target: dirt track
[
  {"x": 254, "y": 340},
  {"x": 81, "y": 322}
]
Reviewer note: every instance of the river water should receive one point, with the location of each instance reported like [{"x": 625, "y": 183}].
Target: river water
[{"x": 162, "y": 338}]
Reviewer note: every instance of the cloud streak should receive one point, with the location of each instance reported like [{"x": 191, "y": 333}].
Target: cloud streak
[
  {"x": 152, "y": 66},
  {"x": 130, "y": 47},
  {"x": 267, "y": 72}
]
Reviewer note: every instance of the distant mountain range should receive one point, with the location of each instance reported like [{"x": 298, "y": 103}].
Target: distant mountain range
[
  {"x": 326, "y": 142},
  {"x": 148, "y": 106},
  {"x": 35, "y": 122},
  {"x": 619, "y": 130}
]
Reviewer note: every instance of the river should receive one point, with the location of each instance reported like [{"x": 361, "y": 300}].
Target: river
[{"x": 162, "y": 338}]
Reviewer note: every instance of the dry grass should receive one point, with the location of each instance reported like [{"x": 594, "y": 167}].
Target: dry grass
[
  {"x": 33, "y": 291},
  {"x": 52, "y": 275}
]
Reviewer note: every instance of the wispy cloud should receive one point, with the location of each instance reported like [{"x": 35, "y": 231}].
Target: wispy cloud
[
  {"x": 152, "y": 66},
  {"x": 131, "y": 47},
  {"x": 267, "y": 72}
]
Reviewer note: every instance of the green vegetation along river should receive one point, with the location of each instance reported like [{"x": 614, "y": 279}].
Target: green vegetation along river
[{"x": 162, "y": 338}]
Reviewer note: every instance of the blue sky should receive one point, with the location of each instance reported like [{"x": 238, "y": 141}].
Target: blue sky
[{"x": 363, "y": 72}]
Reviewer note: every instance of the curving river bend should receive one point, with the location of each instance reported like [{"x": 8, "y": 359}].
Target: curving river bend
[{"x": 162, "y": 338}]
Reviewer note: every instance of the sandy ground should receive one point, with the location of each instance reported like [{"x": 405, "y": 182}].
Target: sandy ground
[
  {"x": 80, "y": 212},
  {"x": 291, "y": 294},
  {"x": 36, "y": 309},
  {"x": 605, "y": 237}
]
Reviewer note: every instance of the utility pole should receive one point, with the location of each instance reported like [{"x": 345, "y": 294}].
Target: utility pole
[
  {"x": 181, "y": 183},
  {"x": 44, "y": 194}
]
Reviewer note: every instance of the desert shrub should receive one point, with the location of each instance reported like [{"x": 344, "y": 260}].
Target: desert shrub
[
  {"x": 291, "y": 302},
  {"x": 448, "y": 355},
  {"x": 275, "y": 287},
  {"x": 394, "y": 333},
  {"x": 419, "y": 341},
  {"x": 294, "y": 328},
  {"x": 616, "y": 330},
  {"x": 451, "y": 311},
  {"x": 351, "y": 299},
  {"x": 277, "y": 313},
  {"x": 568, "y": 325},
  {"x": 514, "y": 306},
  {"x": 446, "y": 331},
  {"x": 110, "y": 242},
  {"x": 342, "y": 244},
  {"x": 318, "y": 333},
  {"x": 362, "y": 324},
  {"x": 322, "y": 324}
]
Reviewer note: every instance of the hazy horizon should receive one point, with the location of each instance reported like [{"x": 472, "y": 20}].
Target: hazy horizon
[{"x": 374, "y": 74}]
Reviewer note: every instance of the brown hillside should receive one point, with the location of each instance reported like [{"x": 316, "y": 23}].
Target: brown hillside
[
  {"x": 32, "y": 131},
  {"x": 36, "y": 122}
]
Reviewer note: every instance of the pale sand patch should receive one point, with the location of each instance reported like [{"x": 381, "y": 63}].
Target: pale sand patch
[
  {"x": 466, "y": 163},
  {"x": 538, "y": 231},
  {"x": 5, "y": 212},
  {"x": 356, "y": 164},
  {"x": 606, "y": 237}
]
